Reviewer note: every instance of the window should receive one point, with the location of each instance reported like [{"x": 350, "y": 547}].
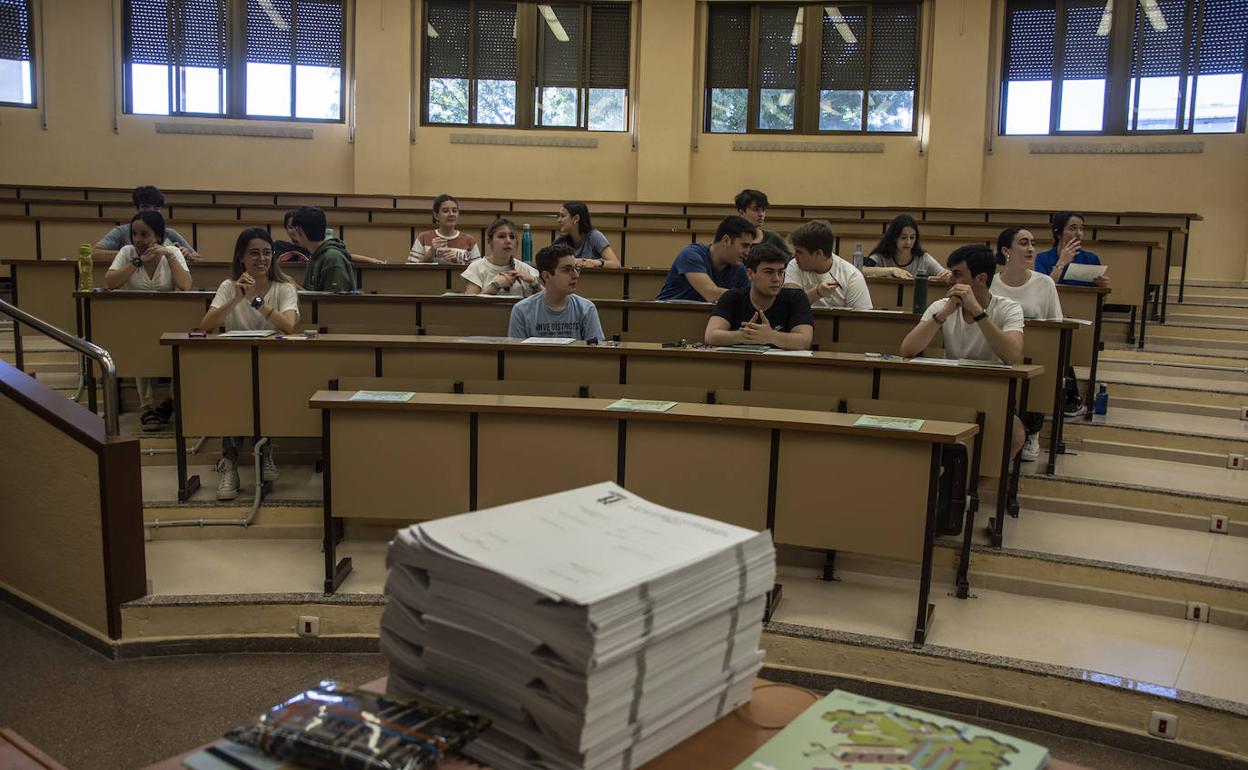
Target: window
[
  {"x": 578, "y": 76},
  {"x": 811, "y": 69},
  {"x": 17, "y": 79},
  {"x": 234, "y": 58},
  {"x": 1176, "y": 66}
]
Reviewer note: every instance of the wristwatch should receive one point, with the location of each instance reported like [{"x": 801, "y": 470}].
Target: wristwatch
[
  {"x": 982, "y": 315},
  {"x": 257, "y": 302},
  {"x": 494, "y": 284},
  {"x": 136, "y": 261}
]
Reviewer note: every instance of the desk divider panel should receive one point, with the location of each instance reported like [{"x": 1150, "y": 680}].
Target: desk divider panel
[
  {"x": 884, "y": 295},
  {"x": 384, "y": 242},
  {"x": 130, "y": 330},
  {"x": 17, "y": 241},
  {"x": 845, "y": 382},
  {"x": 1081, "y": 305},
  {"x": 709, "y": 374},
  {"x": 348, "y": 310},
  {"x": 986, "y": 394},
  {"x": 449, "y": 364},
  {"x": 408, "y": 280},
  {"x": 881, "y": 513},
  {"x": 581, "y": 369},
  {"x": 646, "y": 285},
  {"x": 611, "y": 319},
  {"x": 62, "y": 239},
  {"x": 659, "y": 323},
  {"x": 673, "y": 464},
  {"x": 425, "y": 456},
  {"x": 597, "y": 284},
  {"x": 1041, "y": 344},
  {"x": 215, "y": 241},
  {"x": 208, "y": 276},
  {"x": 289, "y": 377},
  {"x": 655, "y": 249},
  {"x": 479, "y": 314},
  {"x": 46, "y": 290},
  {"x": 883, "y": 331},
  {"x": 216, "y": 390},
  {"x": 523, "y": 456},
  {"x": 1126, "y": 271}
]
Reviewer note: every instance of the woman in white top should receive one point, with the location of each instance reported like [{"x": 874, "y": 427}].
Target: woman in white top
[
  {"x": 499, "y": 273},
  {"x": 149, "y": 263},
  {"x": 257, "y": 296},
  {"x": 900, "y": 254},
  {"x": 1036, "y": 292}
]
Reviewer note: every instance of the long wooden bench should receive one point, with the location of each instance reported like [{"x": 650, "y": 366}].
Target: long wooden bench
[
  {"x": 230, "y": 386},
  {"x": 779, "y": 460}
]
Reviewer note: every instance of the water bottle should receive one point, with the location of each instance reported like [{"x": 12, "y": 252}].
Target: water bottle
[
  {"x": 920, "y": 294},
  {"x": 86, "y": 277},
  {"x": 1101, "y": 405},
  {"x": 526, "y": 245},
  {"x": 858, "y": 257}
]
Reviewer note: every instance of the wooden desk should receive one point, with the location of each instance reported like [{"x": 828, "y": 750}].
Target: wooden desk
[
  {"x": 260, "y": 387},
  {"x": 778, "y": 459}
]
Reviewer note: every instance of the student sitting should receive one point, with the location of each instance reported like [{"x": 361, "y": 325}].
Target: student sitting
[
  {"x": 146, "y": 198},
  {"x": 765, "y": 312},
  {"x": 827, "y": 280},
  {"x": 329, "y": 266},
  {"x": 702, "y": 273},
  {"x": 445, "y": 244},
  {"x": 1037, "y": 295},
  {"x": 976, "y": 323},
  {"x": 256, "y": 296},
  {"x": 289, "y": 251},
  {"x": 590, "y": 246},
  {"x": 147, "y": 265},
  {"x": 899, "y": 254},
  {"x": 752, "y": 205},
  {"x": 500, "y": 273},
  {"x": 557, "y": 311},
  {"x": 1067, "y": 248}
]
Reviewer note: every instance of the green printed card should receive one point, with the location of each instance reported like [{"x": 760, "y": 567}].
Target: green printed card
[
  {"x": 845, "y": 731},
  {"x": 385, "y": 396},
  {"x": 891, "y": 423}
]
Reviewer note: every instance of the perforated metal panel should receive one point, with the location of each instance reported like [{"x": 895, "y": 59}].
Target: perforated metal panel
[
  {"x": 269, "y": 32},
  {"x": 728, "y": 47},
  {"x": 843, "y": 56},
  {"x": 318, "y": 33},
  {"x": 1085, "y": 54},
  {"x": 446, "y": 55},
  {"x": 148, "y": 35},
  {"x": 777, "y": 56},
  {"x": 894, "y": 47},
  {"x": 15, "y": 30},
  {"x": 609, "y": 36},
  {"x": 560, "y": 59},
  {"x": 1224, "y": 27},
  {"x": 494, "y": 57},
  {"x": 1029, "y": 41}
]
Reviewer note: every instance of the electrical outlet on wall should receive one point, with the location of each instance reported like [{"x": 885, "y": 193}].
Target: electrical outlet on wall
[
  {"x": 1235, "y": 462},
  {"x": 1243, "y": 413},
  {"x": 1198, "y": 611},
  {"x": 1219, "y": 523},
  {"x": 1163, "y": 725},
  {"x": 309, "y": 625}
]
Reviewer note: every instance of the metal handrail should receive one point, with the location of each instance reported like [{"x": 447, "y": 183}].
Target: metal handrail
[{"x": 101, "y": 356}]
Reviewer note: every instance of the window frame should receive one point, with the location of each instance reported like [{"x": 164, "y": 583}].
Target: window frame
[
  {"x": 1121, "y": 103},
  {"x": 34, "y": 74},
  {"x": 235, "y": 71},
  {"x": 809, "y": 72},
  {"x": 528, "y": 61}
]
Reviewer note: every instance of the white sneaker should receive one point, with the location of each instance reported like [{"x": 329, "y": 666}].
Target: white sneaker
[
  {"x": 227, "y": 484},
  {"x": 1031, "y": 449},
  {"x": 268, "y": 469}
]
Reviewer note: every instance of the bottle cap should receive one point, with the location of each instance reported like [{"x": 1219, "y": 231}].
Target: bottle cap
[{"x": 526, "y": 225}]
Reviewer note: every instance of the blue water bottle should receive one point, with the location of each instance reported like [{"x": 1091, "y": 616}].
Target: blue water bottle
[
  {"x": 1101, "y": 405},
  {"x": 526, "y": 245}
]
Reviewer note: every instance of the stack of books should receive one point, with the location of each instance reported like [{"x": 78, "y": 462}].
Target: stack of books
[{"x": 595, "y": 629}]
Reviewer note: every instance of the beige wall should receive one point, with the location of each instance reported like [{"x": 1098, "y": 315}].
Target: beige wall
[
  {"x": 52, "y": 549},
  {"x": 954, "y": 169}
]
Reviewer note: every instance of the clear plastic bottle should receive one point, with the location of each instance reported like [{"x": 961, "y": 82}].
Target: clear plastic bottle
[
  {"x": 86, "y": 278},
  {"x": 526, "y": 245},
  {"x": 858, "y": 257}
]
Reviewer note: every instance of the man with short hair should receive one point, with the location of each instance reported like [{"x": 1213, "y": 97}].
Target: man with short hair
[
  {"x": 329, "y": 266},
  {"x": 752, "y": 205},
  {"x": 145, "y": 198},
  {"x": 557, "y": 311},
  {"x": 976, "y": 324},
  {"x": 763, "y": 313},
  {"x": 702, "y": 273},
  {"x": 827, "y": 280}
]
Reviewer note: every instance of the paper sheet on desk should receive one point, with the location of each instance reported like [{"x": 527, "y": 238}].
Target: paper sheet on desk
[
  {"x": 548, "y": 341},
  {"x": 1089, "y": 273}
]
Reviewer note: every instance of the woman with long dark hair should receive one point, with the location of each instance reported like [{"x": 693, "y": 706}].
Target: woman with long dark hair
[
  {"x": 500, "y": 273},
  {"x": 577, "y": 230},
  {"x": 900, "y": 254},
  {"x": 1067, "y": 249},
  {"x": 257, "y": 296}
]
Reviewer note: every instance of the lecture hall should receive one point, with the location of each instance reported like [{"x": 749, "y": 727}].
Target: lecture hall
[{"x": 606, "y": 383}]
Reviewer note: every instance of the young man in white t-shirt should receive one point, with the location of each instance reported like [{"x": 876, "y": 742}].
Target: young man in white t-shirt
[
  {"x": 976, "y": 324},
  {"x": 828, "y": 280}
]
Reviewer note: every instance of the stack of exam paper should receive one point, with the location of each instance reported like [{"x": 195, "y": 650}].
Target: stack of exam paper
[{"x": 596, "y": 629}]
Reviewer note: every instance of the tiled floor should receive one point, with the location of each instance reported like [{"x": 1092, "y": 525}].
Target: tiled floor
[
  {"x": 191, "y": 567},
  {"x": 1155, "y": 474},
  {"x": 1124, "y": 542},
  {"x": 1164, "y": 651},
  {"x": 298, "y": 482},
  {"x": 1177, "y": 422}
]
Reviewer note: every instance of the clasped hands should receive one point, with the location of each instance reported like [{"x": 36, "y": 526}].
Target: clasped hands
[
  {"x": 758, "y": 330},
  {"x": 960, "y": 297}
]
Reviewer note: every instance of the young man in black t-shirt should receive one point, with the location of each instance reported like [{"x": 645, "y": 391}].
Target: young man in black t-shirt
[{"x": 763, "y": 313}]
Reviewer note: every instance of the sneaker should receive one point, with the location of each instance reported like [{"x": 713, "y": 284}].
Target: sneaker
[
  {"x": 227, "y": 485},
  {"x": 150, "y": 421},
  {"x": 268, "y": 469},
  {"x": 1031, "y": 449},
  {"x": 165, "y": 411},
  {"x": 1075, "y": 408}
]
